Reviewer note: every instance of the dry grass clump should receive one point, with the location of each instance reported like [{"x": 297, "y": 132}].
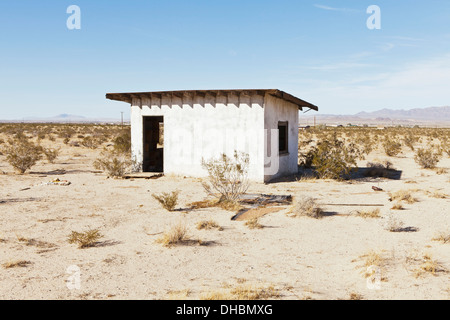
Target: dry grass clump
[
  {"x": 373, "y": 261},
  {"x": 443, "y": 237},
  {"x": 254, "y": 224},
  {"x": 403, "y": 195},
  {"x": 424, "y": 264},
  {"x": 374, "y": 213},
  {"x": 243, "y": 292},
  {"x": 306, "y": 206},
  {"x": 355, "y": 296},
  {"x": 85, "y": 239},
  {"x": 397, "y": 206},
  {"x": 177, "y": 234},
  {"x": 208, "y": 225},
  {"x": 16, "y": 263},
  {"x": 178, "y": 294},
  {"x": 436, "y": 194},
  {"x": 168, "y": 200}
]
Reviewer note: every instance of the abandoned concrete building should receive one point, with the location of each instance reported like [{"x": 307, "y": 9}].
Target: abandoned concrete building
[{"x": 172, "y": 131}]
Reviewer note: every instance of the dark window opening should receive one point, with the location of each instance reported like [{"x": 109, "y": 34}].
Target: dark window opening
[{"x": 283, "y": 137}]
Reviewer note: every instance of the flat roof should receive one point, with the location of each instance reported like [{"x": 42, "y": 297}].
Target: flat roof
[{"x": 128, "y": 96}]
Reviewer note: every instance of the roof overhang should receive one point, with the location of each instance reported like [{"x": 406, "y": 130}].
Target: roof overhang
[{"x": 129, "y": 96}]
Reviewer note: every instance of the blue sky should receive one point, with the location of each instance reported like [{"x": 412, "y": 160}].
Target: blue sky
[{"x": 320, "y": 51}]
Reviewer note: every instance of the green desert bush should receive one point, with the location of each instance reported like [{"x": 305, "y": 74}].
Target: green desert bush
[
  {"x": 332, "y": 158},
  {"x": 116, "y": 165},
  {"x": 85, "y": 239},
  {"x": 392, "y": 147},
  {"x": 50, "y": 154},
  {"x": 22, "y": 154},
  {"x": 227, "y": 176},
  {"x": 427, "y": 158}
]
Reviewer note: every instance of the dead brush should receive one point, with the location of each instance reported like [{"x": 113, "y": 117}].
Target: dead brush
[
  {"x": 16, "y": 263},
  {"x": 443, "y": 237},
  {"x": 208, "y": 225},
  {"x": 243, "y": 292},
  {"x": 397, "y": 206},
  {"x": 375, "y": 213},
  {"x": 85, "y": 239},
  {"x": 176, "y": 235},
  {"x": 115, "y": 165},
  {"x": 427, "y": 158},
  {"x": 403, "y": 195},
  {"x": 306, "y": 206},
  {"x": 167, "y": 200},
  {"x": 424, "y": 264},
  {"x": 254, "y": 224},
  {"x": 373, "y": 261}
]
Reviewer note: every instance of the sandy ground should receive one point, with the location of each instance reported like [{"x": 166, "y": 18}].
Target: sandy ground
[{"x": 303, "y": 258}]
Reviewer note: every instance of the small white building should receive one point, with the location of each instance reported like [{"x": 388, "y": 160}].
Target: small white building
[{"x": 203, "y": 124}]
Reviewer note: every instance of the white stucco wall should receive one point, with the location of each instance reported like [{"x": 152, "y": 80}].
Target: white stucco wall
[
  {"x": 277, "y": 110},
  {"x": 203, "y": 127}
]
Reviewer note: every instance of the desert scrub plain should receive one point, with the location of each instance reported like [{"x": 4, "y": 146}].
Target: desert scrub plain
[{"x": 388, "y": 219}]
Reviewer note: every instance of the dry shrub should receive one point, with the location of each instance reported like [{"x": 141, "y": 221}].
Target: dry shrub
[
  {"x": 116, "y": 165},
  {"x": 122, "y": 142},
  {"x": 397, "y": 206},
  {"x": 22, "y": 154},
  {"x": 373, "y": 261},
  {"x": 177, "y": 234},
  {"x": 167, "y": 200},
  {"x": 90, "y": 142},
  {"x": 403, "y": 195},
  {"x": 427, "y": 158},
  {"x": 306, "y": 206},
  {"x": 332, "y": 158},
  {"x": 253, "y": 224},
  {"x": 424, "y": 264},
  {"x": 243, "y": 292},
  {"x": 85, "y": 239},
  {"x": 16, "y": 263},
  {"x": 50, "y": 154},
  {"x": 409, "y": 140},
  {"x": 392, "y": 147},
  {"x": 375, "y": 213},
  {"x": 227, "y": 176},
  {"x": 208, "y": 224},
  {"x": 393, "y": 224},
  {"x": 443, "y": 237}
]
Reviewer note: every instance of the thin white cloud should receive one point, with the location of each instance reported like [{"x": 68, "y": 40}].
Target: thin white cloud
[
  {"x": 419, "y": 84},
  {"x": 323, "y": 7},
  {"x": 338, "y": 66}
]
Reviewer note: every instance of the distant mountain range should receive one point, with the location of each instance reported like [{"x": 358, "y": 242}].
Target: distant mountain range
[{"x": 425, "y": 116}]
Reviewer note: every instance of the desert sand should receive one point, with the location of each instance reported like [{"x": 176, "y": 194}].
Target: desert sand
[{"x": 298, "y": 258}]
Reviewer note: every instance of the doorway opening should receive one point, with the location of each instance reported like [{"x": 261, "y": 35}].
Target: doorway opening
[{"x": 153, "y": 144}]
